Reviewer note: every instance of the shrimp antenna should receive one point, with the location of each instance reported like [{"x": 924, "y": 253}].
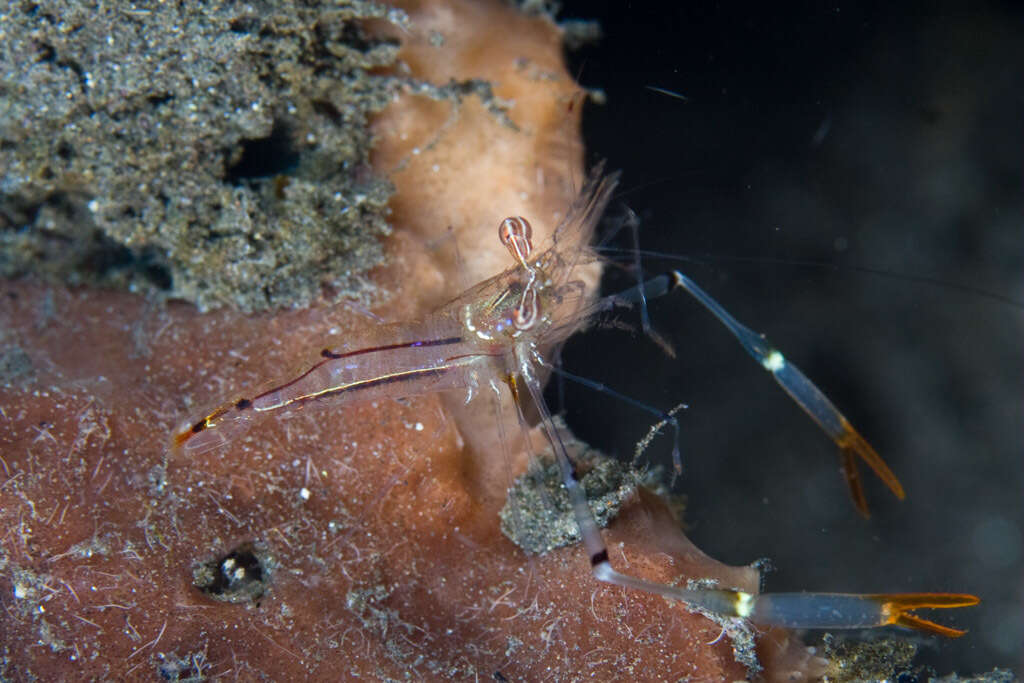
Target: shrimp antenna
[{"x": 709, "y": 259}]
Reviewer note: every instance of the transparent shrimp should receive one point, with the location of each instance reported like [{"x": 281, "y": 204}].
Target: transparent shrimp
[
  {"x": 469, "y": 343},
  {"x": 498, "y": 333}
]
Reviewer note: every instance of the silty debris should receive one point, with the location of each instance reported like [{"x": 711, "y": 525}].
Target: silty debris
[{"x": 205, "y": 151}]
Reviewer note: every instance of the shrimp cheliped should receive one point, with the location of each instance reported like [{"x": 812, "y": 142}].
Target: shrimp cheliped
[{"x": 498, "y": 333}]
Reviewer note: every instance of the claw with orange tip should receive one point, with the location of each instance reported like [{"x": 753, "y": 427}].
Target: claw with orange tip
[
  {"x": 806, "y": 395},
  {"x": 852, "y": 610},
  {"x": 852, "y": 446},
  {"x": 897, "y": 609}
]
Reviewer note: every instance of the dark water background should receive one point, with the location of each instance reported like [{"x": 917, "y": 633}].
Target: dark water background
[{"x": 850, "y": 135}]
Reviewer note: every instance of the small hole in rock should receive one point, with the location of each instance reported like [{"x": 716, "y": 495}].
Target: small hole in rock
[
  {"x": 239, "y": 576},
  {"x": 264, "y": 157}
]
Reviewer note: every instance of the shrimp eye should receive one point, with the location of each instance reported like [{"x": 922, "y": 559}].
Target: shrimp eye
[
  {"x": 515, "y": 227},
  {"x": 515, "y": 233},
  {"x": 526, "y": 313}
]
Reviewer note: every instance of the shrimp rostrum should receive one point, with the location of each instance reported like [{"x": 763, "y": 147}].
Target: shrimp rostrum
[{"x": 498, "y": 333}]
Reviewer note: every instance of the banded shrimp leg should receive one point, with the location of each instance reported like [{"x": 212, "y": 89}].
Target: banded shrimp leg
[
  {"x": 792, "y": 610},
  {"x": 789, "y": 377}
]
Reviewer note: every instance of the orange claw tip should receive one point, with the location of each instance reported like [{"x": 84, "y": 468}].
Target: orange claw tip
[
  {"x": 926, "y": 626},
  {"x": 927, "y": 600},
  {"x": 852, "y": 445},
  {"x": 897, "y": 605},
  {"x": 854, "y": 484}
]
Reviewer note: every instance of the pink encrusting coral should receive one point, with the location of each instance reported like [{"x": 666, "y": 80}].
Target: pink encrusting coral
[{"x": 333, "y": 542}]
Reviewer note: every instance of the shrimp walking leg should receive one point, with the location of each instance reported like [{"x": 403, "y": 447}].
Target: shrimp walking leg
[
  {"x": 794, "y": 382},
  {"x": 807, "y": 395},
  {"x": 666, "y": 418},
  {"x": 793, "y": 610}
]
